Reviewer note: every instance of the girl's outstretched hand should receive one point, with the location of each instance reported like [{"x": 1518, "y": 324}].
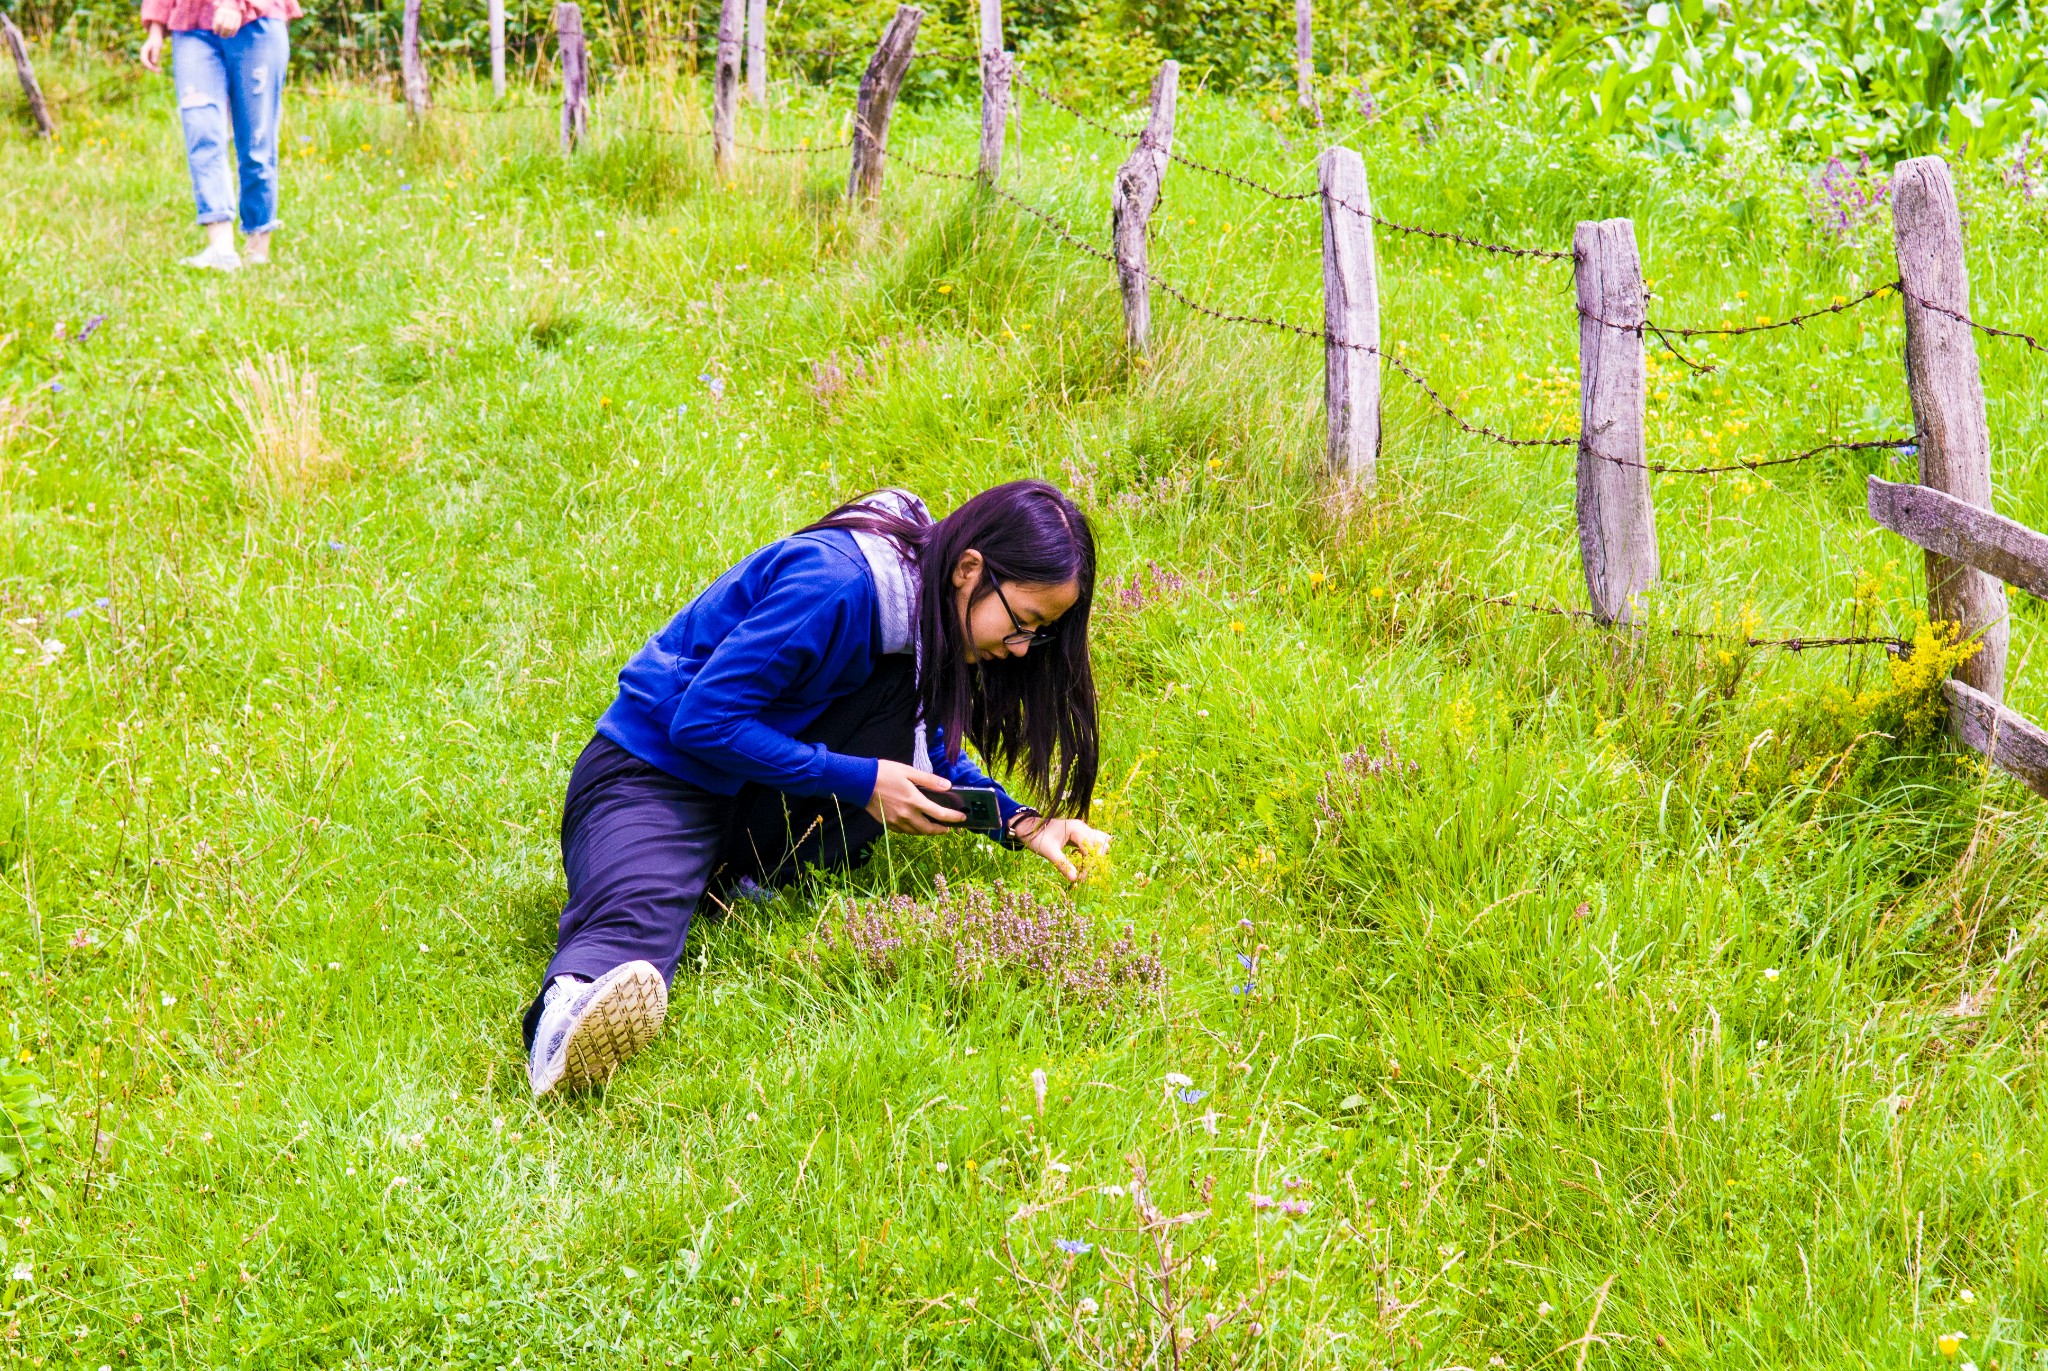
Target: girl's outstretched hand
[
  {"x": 900, "y": 803},
  {"x": 1050, "y": 839}
]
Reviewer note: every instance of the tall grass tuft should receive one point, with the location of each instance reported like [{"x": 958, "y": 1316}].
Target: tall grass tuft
[{"x": 280, "y": 404}]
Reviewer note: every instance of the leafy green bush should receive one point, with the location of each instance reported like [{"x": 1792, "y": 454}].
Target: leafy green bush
[{"x": 1829, "y": 75}]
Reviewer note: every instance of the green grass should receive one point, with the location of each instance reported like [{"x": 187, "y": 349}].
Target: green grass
[{"x": 1656, "y": 999}]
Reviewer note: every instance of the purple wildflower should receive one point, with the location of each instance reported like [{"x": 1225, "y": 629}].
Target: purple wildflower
[
  {"x": 2020, "y": 171},
  {"x": 103, "y": 601},
  {"x": 1152, "y": 584},
  {"x": 1193, "y": 1096},
  {"x": 77, "y": 613},
  {"x": 1073, "y": 1247},
  {"x": 1846, "y": 198},
  {"x": 55, "y": 387},
  {"x": 90, "y": 327},
  {"x": 1264, "y": 1201},
  {"x": 828, "y": 381},
  {"x": 1244, "y": 989},
  {"x": 1295, "y": 1207},
  {"x": 336, "y": 546}
]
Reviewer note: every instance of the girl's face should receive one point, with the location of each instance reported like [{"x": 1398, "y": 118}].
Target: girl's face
[{"x": 992, "y": 631}]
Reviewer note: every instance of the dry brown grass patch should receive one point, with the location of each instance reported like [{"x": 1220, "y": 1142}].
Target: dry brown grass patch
[{"x": 280, "y": 403}]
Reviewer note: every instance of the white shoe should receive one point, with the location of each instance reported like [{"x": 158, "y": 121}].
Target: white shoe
[
  {"x": 588, "y": 1027},
  {"x": 221, "y": 259}
]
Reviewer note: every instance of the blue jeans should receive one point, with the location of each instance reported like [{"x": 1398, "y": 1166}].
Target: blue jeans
[{"x": 232, "y": 84}]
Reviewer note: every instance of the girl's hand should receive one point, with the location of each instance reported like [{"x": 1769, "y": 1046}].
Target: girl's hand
[
  {"x": 227, "y": 18},
  {"x": 1050, "y": 839},
  {"x": 899, "y": 800},
  {"x": 153, "y": 48}
]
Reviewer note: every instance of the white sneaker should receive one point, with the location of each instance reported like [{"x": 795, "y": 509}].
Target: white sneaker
[
  {"x": 222, "y": 259},
  {"x": 588, "y": 1027}
]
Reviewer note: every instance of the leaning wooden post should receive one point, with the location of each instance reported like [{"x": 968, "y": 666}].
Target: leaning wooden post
[
  {"x": 1948, "y": 402},
  {"x": 996, "y": 71},
  {"x": 1131, "y": 201},
  {"x": 18, "y": 46},
  {"x": 498, "y": 49},
  {"x": 1305, "y": 57},
  {"x": 725, "y": 80},
  {"x": 1351, "y": 320},
  {"x": 997, "y": 67},
  {"x": 575, "y": 74},
  {"x": 1617, "y": 525},
  {"x": 877, "y": 101},
  {"x": 757, "y": 51},
  {"x": 417, "y": 96}
]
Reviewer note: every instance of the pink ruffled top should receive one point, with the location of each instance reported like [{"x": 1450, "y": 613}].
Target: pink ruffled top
[{"x": 179, "y": 15}]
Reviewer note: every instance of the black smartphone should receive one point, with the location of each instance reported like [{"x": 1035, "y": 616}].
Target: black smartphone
[{"x": 977, "y": 802}]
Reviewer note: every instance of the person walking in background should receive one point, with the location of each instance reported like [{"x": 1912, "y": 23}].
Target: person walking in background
[{"x": 227, "y": 62}]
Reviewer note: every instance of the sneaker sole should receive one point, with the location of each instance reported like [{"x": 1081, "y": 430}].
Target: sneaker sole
[{"x": 622, "y": 1018}]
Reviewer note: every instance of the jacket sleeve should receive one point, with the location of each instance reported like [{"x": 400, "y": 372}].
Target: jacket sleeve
[
  {"x": 156, "y": 12},
  {"x": 963, "y": 771},
  {"x": 783, "y": 641}
]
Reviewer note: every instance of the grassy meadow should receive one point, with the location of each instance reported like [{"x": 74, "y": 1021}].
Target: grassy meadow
[{"x": 1533, "y": 996}]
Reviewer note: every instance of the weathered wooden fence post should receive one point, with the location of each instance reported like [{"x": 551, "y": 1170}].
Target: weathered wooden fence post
[
  {"x": 414, "y": 69},
  {"x": 1305, "y": 58},
  {"x": 1948, "y": 402},
  {"x": 1351, "y": 320},
  {"x": 1617, "y": 525},
  {"x": 877, "y": 101},
  {"x": 18, "y": 46},
  {"x": 1131, "y": 201},
  {"x": 498, "y": 49},
  {"x": 997, "y": 67},
  {"x": 575, "y": 74},
  {"x": 725, "y": 81},
  {"x": 757, "y": 51}
]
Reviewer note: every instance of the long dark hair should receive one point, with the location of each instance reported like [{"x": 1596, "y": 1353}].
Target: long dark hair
[{"x": 1036, "y": 711}]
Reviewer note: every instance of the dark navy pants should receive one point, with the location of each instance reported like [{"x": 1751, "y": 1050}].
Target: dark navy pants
[{"x": 641, "y": 847}]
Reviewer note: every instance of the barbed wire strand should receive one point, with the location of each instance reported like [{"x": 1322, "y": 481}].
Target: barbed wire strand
[
  {"x": 1962, "y": 318},
  {"x": 1794, "y": 322},
  {"x": 1503, "y": 249},
  {"x": 1858, "y": 445},
  {"x": 1894, "y": 646},
  {"x": 1065, "y": 108}
]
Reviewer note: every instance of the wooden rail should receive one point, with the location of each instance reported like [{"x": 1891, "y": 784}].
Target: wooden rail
[
  {"x": 2015, "y": 743},
  {"x": 1962, "y": 532}
]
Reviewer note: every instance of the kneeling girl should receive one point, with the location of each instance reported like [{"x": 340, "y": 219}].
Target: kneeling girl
[{"x": 816, "y": 694}]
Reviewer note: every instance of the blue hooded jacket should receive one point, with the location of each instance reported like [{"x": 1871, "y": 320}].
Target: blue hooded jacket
[{"x": 718, "y": 695}]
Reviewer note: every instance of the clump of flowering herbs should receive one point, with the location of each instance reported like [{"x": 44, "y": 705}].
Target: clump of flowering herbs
[
  {"x": 1357, "y": 769},
  {"x": 1151, "y": 585},
  {"x": 976, "y": 933},
  {"x": 1843, "y": 198}
]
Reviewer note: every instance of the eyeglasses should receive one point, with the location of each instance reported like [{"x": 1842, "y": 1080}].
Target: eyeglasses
[{"x": 1023, "y": 637}]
